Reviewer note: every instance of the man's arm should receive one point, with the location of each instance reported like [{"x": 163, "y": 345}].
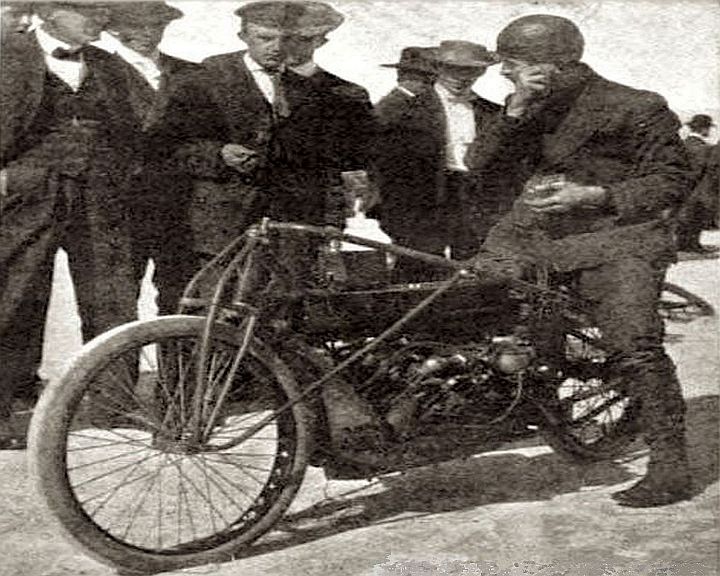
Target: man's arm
[
  {"x": 185, "y": 127},
  {"x": 661, "y": 175}
]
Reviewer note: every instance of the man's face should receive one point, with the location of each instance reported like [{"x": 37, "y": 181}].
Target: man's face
[
  {"x": 265, "y": 45},
  {"x": 704, "y": 131},
  {"x": 512, "y": 68},
  {"x": 459, "y": 79},
  {"x": 77, "y": 26},
  {"x": 300, "y": 49},
  {"x": 416, "y": 81},
  {"x": 142, "y": 39}
]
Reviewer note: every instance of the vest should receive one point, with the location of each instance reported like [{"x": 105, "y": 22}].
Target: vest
[{"x": 70, "y": 130}]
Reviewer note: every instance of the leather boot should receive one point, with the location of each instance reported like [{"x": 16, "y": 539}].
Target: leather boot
[{"x": 667, "y": 479}]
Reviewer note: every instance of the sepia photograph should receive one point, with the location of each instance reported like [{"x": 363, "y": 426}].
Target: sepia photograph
[{"x": 360, "y": 287}]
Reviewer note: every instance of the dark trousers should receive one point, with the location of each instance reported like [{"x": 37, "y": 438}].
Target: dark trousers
[
  {"x": 625, "y": 294},
  {"x": 697, "y": 215},
  {"x": 462, "y": 218},
  {"x": 34, "y": 226}
]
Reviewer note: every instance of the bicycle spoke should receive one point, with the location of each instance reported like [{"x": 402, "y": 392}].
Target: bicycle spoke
[
  {"x": 105, "y": 460},
  {"x": 106, "y": 474},
  {"x": 215, "y": 483},
  {"x": 225, "y": 478},
  {"x": 139, "y": 505},
  {"x": 129, "y": 441},
  {"x": 202, "y": 496},
  {"x": 239, "y": 468},
  {"x": 123, "y": 483}
]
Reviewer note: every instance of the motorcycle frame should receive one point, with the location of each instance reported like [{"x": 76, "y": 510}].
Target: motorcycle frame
[{"x": 236, "y": 262}]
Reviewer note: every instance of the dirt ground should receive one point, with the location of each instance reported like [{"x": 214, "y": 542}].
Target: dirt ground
[{"x": 520, "y": 510}]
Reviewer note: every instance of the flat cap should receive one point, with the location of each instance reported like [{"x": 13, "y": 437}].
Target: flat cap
[
  {"x": 143, "y": 13},
  {"x": 82, "y": 5},
  {"x": 300, "y": 18},
  {"x": 541, "y": 38}
]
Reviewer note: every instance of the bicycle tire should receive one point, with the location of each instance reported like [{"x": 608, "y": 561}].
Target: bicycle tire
[{"x": 61, "y": 423}]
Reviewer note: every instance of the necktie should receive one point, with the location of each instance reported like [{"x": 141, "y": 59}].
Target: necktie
[
  {"x": 64, "y": 54},
  {"x": 280, "y": 105}
]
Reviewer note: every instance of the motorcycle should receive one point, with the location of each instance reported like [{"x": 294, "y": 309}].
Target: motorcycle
[{"x": 182, "y": 440}]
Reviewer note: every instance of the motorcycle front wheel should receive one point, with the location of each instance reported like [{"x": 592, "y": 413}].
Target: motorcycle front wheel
[{"x": 117, "y": 458}]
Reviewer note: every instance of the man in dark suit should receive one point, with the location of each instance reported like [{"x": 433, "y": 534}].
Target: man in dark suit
[
  {"x": 71, "y": 130},
  {"x": 610, "y": 166},
  {"x": 140, "y": 25},
  {"x": 267, "y": 131},
  {"x": 264, "y": 131},
  {"x": 429, "y": 199},
  {"x": 697, "y": 213}
]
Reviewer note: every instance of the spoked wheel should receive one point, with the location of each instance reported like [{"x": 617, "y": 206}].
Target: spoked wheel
[
  {"x": 140, "y": 477},
  {"x": 588, "y": 415},
  {"x": 679, "y": 304}
]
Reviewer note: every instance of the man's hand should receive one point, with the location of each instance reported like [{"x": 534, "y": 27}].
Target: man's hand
[
  {"x": 532, "y": 82},
  {"x": 563, "y": 196},
  {"x": 244, "y": 160},
  {"x": 358, "y": 185}
]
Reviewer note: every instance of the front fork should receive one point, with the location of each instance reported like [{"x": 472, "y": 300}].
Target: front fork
[{"x": 207, "y": 400}]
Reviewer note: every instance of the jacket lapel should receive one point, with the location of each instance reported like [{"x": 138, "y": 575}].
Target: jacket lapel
[
  {"x": 240, "y": 99},
  {"x": 585, "y": 117}
]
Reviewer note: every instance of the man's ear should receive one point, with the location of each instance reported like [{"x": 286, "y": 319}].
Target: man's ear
[{"x": 242, "y": 35}]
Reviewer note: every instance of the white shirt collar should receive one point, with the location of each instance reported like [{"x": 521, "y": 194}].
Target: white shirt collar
[
  {"x": 703, "y": 138},
  {"x": 448, "y": 96},
  {"x": 307, "y": 69},
  {"x": 251, "y": 64}
]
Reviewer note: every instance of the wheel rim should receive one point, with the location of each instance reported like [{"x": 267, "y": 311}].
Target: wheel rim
[{"x": 136, "y": 471}]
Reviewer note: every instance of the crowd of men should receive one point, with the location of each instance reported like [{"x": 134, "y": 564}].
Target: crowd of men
[{"x": 572, "y": 169}]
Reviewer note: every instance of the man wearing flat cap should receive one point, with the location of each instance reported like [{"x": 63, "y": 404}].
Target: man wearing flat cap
[
  {"x": 71, "y": 138},
  {"x": 156, "y": 188},
  {"x": 599, "y": 167},
  {"x": 430, "y": 200},
  {"x": 264, "y": 131}
]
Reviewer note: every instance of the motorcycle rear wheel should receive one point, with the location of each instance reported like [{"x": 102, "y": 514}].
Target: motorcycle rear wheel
[
  {"x": 113, "y": 459},
  {"x": 590, "y": 417}
]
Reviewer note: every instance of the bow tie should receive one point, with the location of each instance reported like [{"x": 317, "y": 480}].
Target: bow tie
[{"x": 65, "y": 54}]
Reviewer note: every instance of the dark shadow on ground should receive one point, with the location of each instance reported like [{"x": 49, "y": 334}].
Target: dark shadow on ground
[
  {"x": 489, "y": 479},
  {"x": 703, "y": 435}
]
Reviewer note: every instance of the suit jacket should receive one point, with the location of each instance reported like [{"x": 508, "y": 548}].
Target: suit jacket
[
  {"x": 411, "y": 170},
  {"x": 21, "y": 92},
  {"x": 614, "y": 136},
  {"x": 329, "y": 130},
  {"x": 29, "y": 174}
]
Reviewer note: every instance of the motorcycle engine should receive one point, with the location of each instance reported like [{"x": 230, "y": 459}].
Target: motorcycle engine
[{"x": 425, "y": 381}]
